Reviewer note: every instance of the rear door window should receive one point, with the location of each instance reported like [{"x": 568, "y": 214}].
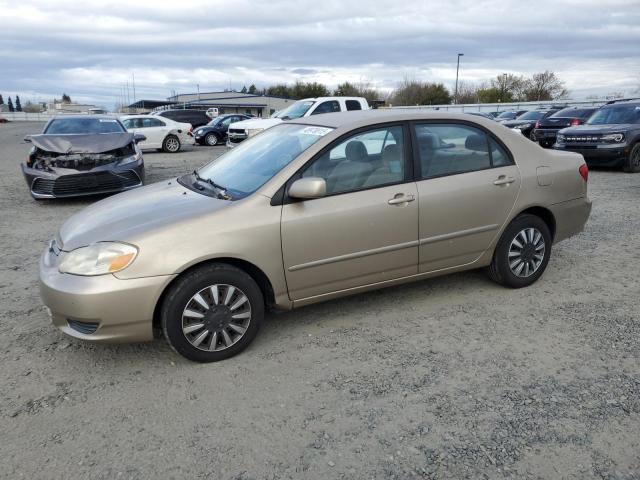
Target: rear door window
[{"x": 353, "y": 105}]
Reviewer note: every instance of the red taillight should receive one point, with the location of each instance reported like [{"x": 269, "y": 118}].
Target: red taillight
[
  {"x": 584, "y": 171},
  {"x": 537, "y": 124},
  {"x": 576, "y": 121}
]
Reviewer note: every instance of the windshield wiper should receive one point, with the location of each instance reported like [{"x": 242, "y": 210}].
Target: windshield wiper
[{"x": 222, "y": 190}]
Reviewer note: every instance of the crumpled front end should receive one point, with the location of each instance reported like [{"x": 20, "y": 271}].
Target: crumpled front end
[{"x": 55, "y": 175}]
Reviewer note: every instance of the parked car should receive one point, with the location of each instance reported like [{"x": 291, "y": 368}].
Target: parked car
[
  {"x": 310, "y": 210},
  {"x": 609, "y": 138},
  {"x": 303, "y": 108},
  {"x": 83, "y": 155},
  {"x": 161, "y": 133},
  {"x": 509, "y": 115},
  {"x": 527, "y": 121},
  {"x": 215, "y": 131},
  {"x": 196, "y": 118},
  {"x": 3, "y": 120},
  {"x": 481, "y": 114},
  {"x": 545, "y": 130}
]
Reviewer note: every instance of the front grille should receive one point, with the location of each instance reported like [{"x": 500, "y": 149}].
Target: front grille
[
  {"x": 582, "y": 138},
  {"x": 81, "y": 184},
  {"x": 87, "y": 328}
]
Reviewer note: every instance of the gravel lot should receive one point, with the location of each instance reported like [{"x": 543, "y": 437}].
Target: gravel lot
[{"x": 453, "y": 377}]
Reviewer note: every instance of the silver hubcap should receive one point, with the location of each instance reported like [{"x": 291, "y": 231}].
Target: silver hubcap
[
  {"x": 212, "y": 139},
  {"x": 216, "y": 317},
  {"x": 526, "y": 252},
  {"x": 173, "y": 145}
]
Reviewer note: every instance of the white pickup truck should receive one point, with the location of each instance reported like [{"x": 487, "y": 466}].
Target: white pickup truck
[{"x": 302, "y": 108}]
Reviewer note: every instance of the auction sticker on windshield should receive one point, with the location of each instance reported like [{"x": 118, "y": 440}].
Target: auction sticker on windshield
[{"x": 319, "y": 131}]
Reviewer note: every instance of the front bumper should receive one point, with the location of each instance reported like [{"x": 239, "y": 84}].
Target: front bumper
[
  {"x": 67, "y": 182},
  {"x": 544, "y": 135},
  {"x": 599, "y": 155},
  {"x": 121, "y": 309}
]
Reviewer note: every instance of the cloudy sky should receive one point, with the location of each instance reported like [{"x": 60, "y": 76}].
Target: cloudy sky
[{"x": 90, "y": 49}]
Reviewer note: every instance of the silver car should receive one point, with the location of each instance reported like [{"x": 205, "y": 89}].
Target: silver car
[{"x": 308, "y": 211}]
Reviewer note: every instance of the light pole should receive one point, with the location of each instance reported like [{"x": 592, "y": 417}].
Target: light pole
[{"x": 455, "y": 95}]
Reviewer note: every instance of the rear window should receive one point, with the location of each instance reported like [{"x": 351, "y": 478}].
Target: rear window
[
  {"x": 79, "y": 126},
  {"x": 574, "y": 113},
  {"x": 532, "y": 115},
  {"x": 353, "y": 105}
]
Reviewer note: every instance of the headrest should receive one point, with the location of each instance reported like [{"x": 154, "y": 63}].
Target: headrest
[
  {"x": 476, "y": 142},
  {"x": 355, "y": 151},
  {"x": 391, "y": 153},
  {"x": 428, "y": 140}
]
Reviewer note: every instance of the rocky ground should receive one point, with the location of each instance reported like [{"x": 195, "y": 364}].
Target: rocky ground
[{"x": 453, "y": 377}]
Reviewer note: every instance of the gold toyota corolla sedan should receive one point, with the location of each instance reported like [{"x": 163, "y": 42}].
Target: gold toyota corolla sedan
[{"x": 306, "y": 211}]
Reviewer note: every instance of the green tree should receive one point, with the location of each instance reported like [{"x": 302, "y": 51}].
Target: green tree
[
  {"x": 309, "y": 89},
  {"x": 362, "y": 89},
  {"x": 10, "y": 105},
  {"x": 510, "y": 87},
  {"x": 280, "y": 90},
  {"x": 18, "y": 105},
  {"x": 66, "y": 98},
  {"x": 415, "y": 92},
  {"x": 244, "y": 89},
  {"x": 490, "y": 95},
  {"x": 252, "y": 89},
  {"x": 1, "y": 100}
]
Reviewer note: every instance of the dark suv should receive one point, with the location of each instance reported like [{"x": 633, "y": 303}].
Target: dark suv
[
  {"x": 610, "y": 138},
  {"x": 527, "y": 121},
  {"x": 546, "y": 129},
  {"x": 196, "y": 118}
]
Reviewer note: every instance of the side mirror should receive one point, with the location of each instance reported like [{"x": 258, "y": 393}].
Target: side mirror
[
  {"x": 307, "y": 188},
  {"x": 27, "y": 139},
  {"x": 138, "y": 137}
]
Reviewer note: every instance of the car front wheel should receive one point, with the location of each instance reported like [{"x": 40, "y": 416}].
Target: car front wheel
[
  {"x": 632, "y": 165},
  {"x": 522, "y": 253},
  {"x": 211, "y": 139},
  {"x": 171, "y": 144},
  {"x": 212, "y": 313}
]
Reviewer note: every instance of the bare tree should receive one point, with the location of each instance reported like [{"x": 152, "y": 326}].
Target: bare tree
[
  {"x": 415, "y": 92},
  {"x": 544, "y": 86},
  {"x": 509, "y": 87},
  {"x": 467, "y": 92}
]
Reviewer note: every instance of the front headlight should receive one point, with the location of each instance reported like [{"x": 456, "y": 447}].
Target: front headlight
[
  {"x": 613, "y": 137},
  {"x": 253, "y": 131},
  {"x": 560, "y": 138},
  {"x": 199, "y": 132},
  {"x": 98, "y": 259},
  {"x": 131, "y": 159}
]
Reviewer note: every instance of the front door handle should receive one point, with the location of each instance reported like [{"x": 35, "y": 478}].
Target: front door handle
[
  {"x": 401, "y": 198},
  {"x": 504, "y": 180}
]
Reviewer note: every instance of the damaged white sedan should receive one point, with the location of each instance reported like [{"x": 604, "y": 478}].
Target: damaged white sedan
[{"x": 83, "y": 155}]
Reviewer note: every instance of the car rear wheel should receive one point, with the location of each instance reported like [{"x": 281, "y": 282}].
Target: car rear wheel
[
  {"x": 632, "y": 165},
  {"x": 211, "y": 139},
  {"x": 171, "y": 144},
  {"x": 522, "y": 253},
  {"x": 212, "y": 313}
]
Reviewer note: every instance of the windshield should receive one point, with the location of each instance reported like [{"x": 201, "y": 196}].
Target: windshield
[
  {"x": 573, "y": 113},
  {"x": 532, "y": 115},
  {"x": 507, "y": 115},
  {"x": 616, "y": 115},
  {"x": 74, "y": 126},
  {"x": 250, "y": 165},
  {"x": 296, "y": 110},
  {"x": 215, "y": 121}
]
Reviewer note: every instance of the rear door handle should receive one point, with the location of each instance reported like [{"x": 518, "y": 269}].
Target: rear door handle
[
  {"x": 503, "y": 180},
  {"x": 401, "y": 198}
]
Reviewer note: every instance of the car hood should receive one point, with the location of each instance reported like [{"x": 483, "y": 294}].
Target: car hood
[
  {"x": 255, "y": 123},
  {"x": 589, "y": 129},
  {"x": 93, "y": 143},
  {"x": 129, "y": 215}
]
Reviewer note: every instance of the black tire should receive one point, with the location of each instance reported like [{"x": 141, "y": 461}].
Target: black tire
[
  {"x": 632, "y": 164},
  {"x": 500, "y": 270},
  {"x": 171, "y": 144},
  {"x": 211, "y": 139},
  {"x": 180, "y": 296}
]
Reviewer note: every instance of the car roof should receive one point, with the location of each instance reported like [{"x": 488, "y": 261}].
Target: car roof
[
  {"x": 339, "y": 119},
  {"x": 80, "y": 115}
]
